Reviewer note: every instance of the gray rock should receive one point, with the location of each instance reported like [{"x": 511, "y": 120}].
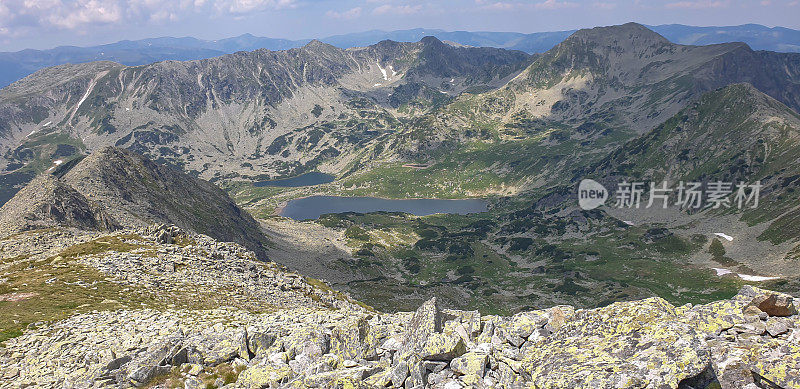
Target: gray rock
[
  {"x": 259, "y": 342},
  {"x": 442, "y": 347},
  {"x": 775, "y": 304},
  {"x": 349, "y": 339},
  {"x": 399, "y": 374},
  {"x": 156, "y": 360},
  {"x": 427, "y": 320},
  {"x": 776, "y": 326}
]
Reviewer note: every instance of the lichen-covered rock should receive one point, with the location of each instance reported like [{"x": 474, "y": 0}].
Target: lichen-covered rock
[
  {"x": 259, "y": 342},
  {"x": 471, "y": 365},
  {"x": 442, "y": 347},
  {"x": 399, "y": 373},
  {"x": 156, "y": 360},
  {"x": 264, "y": 376},
  {"x": 302, "y": 340},
  {"x": 629, "y": 344},
  {"x": 779, "y": 363},
  {"x": 349, "y": 339},
  {"x": 427, "y": 320}
]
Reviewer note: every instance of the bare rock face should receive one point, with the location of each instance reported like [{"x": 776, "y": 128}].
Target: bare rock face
[
  {"x": 775, "y": 304},
  {"x": 114, "y": 187},
  {"x": 48, "y": 202},
  {"x": 139, "y": 192}
]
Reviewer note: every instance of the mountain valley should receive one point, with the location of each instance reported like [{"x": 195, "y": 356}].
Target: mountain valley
[{"x": 133, "y": 188}]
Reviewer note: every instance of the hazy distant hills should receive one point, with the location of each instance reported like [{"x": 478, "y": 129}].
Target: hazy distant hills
[{"x": 15, "y": 65}]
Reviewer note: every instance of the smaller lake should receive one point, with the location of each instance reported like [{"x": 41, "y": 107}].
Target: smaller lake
[
  {"x": 315, "y": 206},
  {"x": 305, "y": 179}
]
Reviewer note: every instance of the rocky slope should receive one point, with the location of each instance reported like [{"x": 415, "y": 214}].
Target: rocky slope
[
  {"x": 114, "y": 187},
  {"x": 279, "y": 330},
  {"x": 250, "y": 113},
  {"x": 735, "y": 134},
  {"x": 49, "y": 202},
  {"x": 617, "y": 79}
]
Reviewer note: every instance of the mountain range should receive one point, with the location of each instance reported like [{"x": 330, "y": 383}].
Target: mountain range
[
  {"x": 438, "y": 119},
  {"x": 15, "y": 65},
  {"x": 139, "y": 247}
]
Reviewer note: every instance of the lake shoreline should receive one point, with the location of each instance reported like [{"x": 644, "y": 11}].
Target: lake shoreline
[{"x": 368, "y": 204}]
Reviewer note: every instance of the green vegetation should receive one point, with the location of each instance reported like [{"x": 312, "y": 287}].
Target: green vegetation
[
  {"x": 521, "y": 255},
  {"x": 505, "y": 261},
  {"x": 208, "y": 377},
  {"x": 56, "y": 288},
  {"x": 118, "y": 243}
]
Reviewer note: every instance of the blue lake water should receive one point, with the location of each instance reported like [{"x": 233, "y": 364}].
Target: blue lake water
[
  {"x": 305, "y": 179},
  {"x": 315, "y": 206}
]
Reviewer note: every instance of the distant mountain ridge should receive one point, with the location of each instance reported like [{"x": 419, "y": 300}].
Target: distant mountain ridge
[
  {"x": 261, "y": 113},
  {"x": 15, "y": 65}
]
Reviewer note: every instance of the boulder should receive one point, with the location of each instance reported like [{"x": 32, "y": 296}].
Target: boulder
[
  {"x": 399, "y": 374},
  {"x": 426, "y": 321},
  {"x": 349, "y": 339},
  {"x": 264, "y": 376},
  {"x": 776, "y": 326},
  {"x": 214, "y": 347},
  {"x": 442, "y": 347},
  {"x": 775, "y": 304},
  {"x": 471, "y": 365},
  {"x": 156, "y": 360},
  {"x": 639, "y": 344},
  {"x": 525, "y": 323},
  {"x": 259, "y": 342}
]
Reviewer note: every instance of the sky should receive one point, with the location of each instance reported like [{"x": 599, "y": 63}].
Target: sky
[{"x": 42, "y": 24}]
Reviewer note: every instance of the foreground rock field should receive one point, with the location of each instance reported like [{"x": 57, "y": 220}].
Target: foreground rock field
[{"x": 216, "y": 317}]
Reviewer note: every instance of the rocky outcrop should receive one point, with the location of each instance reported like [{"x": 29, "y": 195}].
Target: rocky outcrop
[
  {"x": 639, "y": 344},
  {"x": 138, "y": 192},
  {"x": 114, "y": 187},
  {"x": 48, "y": 202}
]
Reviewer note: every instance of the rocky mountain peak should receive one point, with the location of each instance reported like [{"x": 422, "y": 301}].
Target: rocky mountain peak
[
  {"x": 116, "y": 185},
  {"x": 48, "y": 202},
  {"x": 633, "y": 34},
  {"x": 139, "y": 192},
  {"x": 431, "y": 41},
  {"x": 317, "y": 45}
]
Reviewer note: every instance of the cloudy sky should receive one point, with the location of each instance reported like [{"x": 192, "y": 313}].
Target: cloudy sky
[{"x": 49, "y": 23}]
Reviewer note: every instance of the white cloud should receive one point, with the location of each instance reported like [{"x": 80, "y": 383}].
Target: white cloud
[
  {"x": 59, "y": 14},
  {"x": 507, "y": 6},
  {"x": 397, "y": 9},
  {"x": 21, "y": 17},
  {"x": 245, "y": 6},
  {"x": 350, "y": 14},
  {"x": 554, "y": 4},
  {"x": 700, "y": 4},
  {"x": 498, "y": 6}
]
